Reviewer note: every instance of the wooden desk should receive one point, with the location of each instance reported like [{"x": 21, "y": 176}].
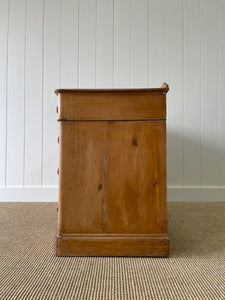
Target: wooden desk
[{"x": 112, "y": 173}]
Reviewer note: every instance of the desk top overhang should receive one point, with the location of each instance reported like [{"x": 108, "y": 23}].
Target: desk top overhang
[{"x": 112, "y": 104}]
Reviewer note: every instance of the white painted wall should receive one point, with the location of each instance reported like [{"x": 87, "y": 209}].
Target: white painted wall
[{"x": 48, "y": 44}]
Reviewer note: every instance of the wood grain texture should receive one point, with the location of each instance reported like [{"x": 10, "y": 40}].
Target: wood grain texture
[
  {"x": 109, "y": 245},
  {"x": 136, "y": 189},
  {"x": 81, "y": 177},
  {"x": 108, "y": 105},
  {"x": 112, "y": 174}
]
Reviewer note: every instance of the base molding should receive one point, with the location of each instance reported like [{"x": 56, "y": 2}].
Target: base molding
[{"x": 150, "y": 245}]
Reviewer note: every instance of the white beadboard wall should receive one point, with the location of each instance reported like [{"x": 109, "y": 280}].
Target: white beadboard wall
[{"x": 48, "y": 44}]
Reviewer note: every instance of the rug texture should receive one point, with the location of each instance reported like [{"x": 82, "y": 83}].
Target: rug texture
[{"x": 30, "y": 270}]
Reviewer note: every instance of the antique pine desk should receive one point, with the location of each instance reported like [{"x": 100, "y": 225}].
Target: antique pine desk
[{"x": 112, "y": 172}]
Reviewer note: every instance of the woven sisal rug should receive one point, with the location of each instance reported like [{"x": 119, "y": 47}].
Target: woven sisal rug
[{"x": 194, "y": 270}]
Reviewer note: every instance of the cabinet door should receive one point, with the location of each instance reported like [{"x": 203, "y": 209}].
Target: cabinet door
[
  {"x": 136, "y": 177},
  {"x": 81, "y": 176}
]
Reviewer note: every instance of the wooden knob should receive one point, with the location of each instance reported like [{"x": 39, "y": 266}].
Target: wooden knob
[
  {"x": 58, "y": 171},
  {"x": 165, "y": 86},
  {"x": 57, "y": 109},
  {"x": 58, "y": 139}
]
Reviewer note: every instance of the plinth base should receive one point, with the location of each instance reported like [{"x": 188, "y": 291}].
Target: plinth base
[{"x": 112, "y": 245}]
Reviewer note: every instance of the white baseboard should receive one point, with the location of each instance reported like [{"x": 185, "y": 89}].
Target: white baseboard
[
  {"x": 50, "y": 194},
  {"x": 196, "y": 194},
  {"x": 29, "y": 194}
]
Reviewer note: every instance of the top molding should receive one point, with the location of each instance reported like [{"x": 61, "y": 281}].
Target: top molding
[{"x": 164, "y": 88}]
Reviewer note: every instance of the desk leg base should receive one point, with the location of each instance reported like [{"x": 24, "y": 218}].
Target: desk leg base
[{"x": 150, "y": 245}]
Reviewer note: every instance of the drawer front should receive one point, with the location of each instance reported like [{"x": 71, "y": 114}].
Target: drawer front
[{"x": 111, "y": 105}]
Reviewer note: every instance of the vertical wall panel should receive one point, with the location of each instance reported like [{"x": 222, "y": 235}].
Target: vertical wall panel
[
  {"x": 104, "y": 39},
  {"x": 69, "y": 44},
  {"x": 4, "y": 9},
  {"x": 210, "y": 172},
  {"x": 87, "y": 43},
  {"x": 139, "y": 43},
  {"x": 49, "y": 44},
  {"x": 192, "y": 94},
  {"x": 122, "y": 43},
  {"x": 15, "y": 106},
  {"x": 221, "y": 83},
  {"x": 174, "y": 76},
  {"x": 33, "y": 93},
  {"x": 51, "y": 82},
  {"x": 157, "y": 42}
]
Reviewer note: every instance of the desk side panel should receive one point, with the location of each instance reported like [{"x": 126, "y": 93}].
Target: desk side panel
[
  {"x": 136, "y": 187},
  {"x": 81, "y": 177}
]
